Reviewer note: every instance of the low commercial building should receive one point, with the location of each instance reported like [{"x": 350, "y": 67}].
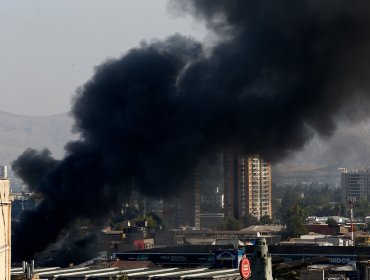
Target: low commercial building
[
  {"x": 129, "y": 240},
  {"x": 329, "y": 272},
  {"x": 177, "y": 237},
  {"x": 211, "y": 220},
  {"x": 323, "y": 241},
  {"x": 326, "y": 229}
]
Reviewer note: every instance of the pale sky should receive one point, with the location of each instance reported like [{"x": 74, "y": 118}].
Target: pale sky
[{"x": 49, "y": 48}]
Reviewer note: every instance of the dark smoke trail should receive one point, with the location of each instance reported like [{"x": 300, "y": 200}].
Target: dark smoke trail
[{"x": 280, "y": 71}]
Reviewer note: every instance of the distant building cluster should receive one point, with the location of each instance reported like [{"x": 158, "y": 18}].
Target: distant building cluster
[
  {"x": 246, "y": 191},
  {"x": 232, "y": 186},
  {"x": 329, "y": 245}
]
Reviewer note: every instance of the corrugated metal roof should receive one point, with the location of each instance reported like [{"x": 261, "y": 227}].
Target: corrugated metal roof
[
  {"x": 212, "y": 272},
  {"x": 182, "y": 272},
  {"x": 59, "y": 271},
  {"x": 116, "y": 272},
  {"x": 40, "y": 270},
  {"x": 37, "y": 270},
  {"x": 137, "y": 273},
  {"x": 75, "y": 273},
  {"x": 152, "y": 271}
]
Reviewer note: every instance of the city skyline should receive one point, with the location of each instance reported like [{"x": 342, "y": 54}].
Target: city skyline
[{"x": 268, "y": 84}]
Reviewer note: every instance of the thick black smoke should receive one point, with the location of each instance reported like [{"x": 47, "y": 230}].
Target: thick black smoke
[
  {"x": 76, "y": 247},
  {"x": 279, "y": 72}
]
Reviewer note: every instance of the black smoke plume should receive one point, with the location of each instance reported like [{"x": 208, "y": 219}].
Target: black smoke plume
[{"x": 279, "y": 71}]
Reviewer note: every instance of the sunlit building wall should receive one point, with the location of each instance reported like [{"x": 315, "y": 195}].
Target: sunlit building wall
[
  {"x": 247, "y": 186},
  {"x": 5, "y": 229}
]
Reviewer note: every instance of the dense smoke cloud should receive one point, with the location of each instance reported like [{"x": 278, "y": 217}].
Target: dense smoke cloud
[
  {"x": 132, "y": 135},
  {"x": 279, "y": 72}
]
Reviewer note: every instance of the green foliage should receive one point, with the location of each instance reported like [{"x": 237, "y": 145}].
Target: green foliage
[
  {"x": 158, "y": 220},
  {"x": 249, "y": 220},
  {"x": 316, "y": 200},
  {"x": 276, "y": 208},
  {"x": 130, "y": 213},
  {"x": 149, "y": 219},
  {"x": 361, "y": 208},
  {"x": 265, "y": 220},
  {"x": 331, "y": 222},
  {"x": 294, "y": 219},
  {"x": 231, "y": 224},
  {"x": 360, "y": 227}
]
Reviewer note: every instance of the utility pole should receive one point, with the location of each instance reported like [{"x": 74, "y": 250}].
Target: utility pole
[{"x": 350, "y": 204}]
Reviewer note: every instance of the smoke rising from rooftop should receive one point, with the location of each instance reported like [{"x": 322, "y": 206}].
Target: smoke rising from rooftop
[{"x": 278, "y": 73}]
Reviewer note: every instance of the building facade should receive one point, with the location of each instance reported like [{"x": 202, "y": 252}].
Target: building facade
[
  {"x": 247, "y": 186},
  {"x": 355, "y": 183},
  {"x": 212, "y": 201},
  {"x": 3, "y": 171},
  {"x": 183, "y": 209},
  {"x": 5, "y": 232}
]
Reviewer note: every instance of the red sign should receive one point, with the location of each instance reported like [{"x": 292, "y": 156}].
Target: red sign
[
  {"x": 245, "y": 268},
  {"x": 139, "y": 244}
]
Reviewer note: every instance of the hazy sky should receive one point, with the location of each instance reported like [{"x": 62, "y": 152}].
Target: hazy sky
[{"x": 49, "y": 48}]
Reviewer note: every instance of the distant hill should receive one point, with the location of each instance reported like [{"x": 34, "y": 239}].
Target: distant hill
[
  {"x": 18, "y": 133},
  {"x": 319, "y": 161}
]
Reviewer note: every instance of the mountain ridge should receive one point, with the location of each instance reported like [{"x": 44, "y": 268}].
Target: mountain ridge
[
  {"x": 20, "y": 132},
  {"x": 320, "y": 159}
]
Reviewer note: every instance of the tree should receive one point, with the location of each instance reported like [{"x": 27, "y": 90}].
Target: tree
[
  {"x": 231, "y": 224},
  {"x": 361, "y": 208},
  {"x": 265, "y": 220},
  {"x": 316, "y": 200},
  {"x": 290, "y": 198},
  {"x": 294, "y": 218},
  {"x": 343, "y": 209},
  {"x": 249, "y": 220},
  {"x": 130, "y": 213},
  {"x": 158, "y": 220},
  {"x": 331, "y": 222},
  {"x": 151, "y": 223}
]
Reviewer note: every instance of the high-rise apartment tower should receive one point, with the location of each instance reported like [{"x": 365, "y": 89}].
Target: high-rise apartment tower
[
  {"x": 247, "y": 186},
  {"x": 355, "y": 183},
  {"x": 183, "y": 209}
]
